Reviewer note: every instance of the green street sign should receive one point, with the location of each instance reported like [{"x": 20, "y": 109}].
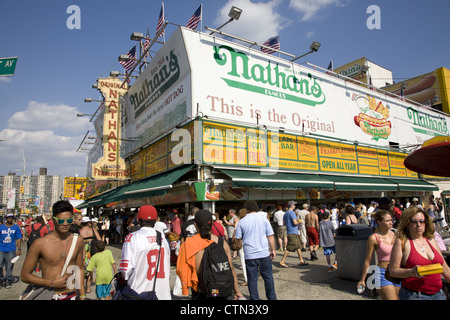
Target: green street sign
[{"x": 7, "y": 66}]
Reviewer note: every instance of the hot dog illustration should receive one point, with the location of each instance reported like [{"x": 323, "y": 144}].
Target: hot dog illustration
[
  {"x": 420, "y": 91},
  {"x": 212, "y": 196},
  {"x": 379, "y": 128},
  {"x": 231, "y": 193}
]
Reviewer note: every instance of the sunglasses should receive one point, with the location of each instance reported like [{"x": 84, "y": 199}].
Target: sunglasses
[
  {"x": 61, "y": 221},
  {"x": 418, "y": 221}
]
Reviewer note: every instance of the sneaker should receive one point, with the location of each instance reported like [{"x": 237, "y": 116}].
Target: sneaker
[
  {"x": 334, "y": 265},
  {"x": 330, "y": 269},
  {"x": 8, "y": 284}
]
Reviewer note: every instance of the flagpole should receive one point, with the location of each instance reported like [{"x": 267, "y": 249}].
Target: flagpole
[
  {"x": 201, "y": 17},
  {"x": 164, "y": 15},
  {"x": 248, "y": 41},
  {"x": 144, "y": 53}
]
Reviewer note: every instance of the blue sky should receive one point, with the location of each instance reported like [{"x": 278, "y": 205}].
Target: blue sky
[{"x": 57, "y": 66}]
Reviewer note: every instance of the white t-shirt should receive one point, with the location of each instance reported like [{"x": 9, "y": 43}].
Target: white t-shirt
[
  {"x": 139, "y": 259},
  {"x": 161, "y": 227},
  {"x": 278, "y": 217}
]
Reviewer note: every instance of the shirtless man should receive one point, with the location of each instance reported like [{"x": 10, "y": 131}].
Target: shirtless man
[
  {"x": 51, "y": 252},
  {"x": 312, "y": 230}
]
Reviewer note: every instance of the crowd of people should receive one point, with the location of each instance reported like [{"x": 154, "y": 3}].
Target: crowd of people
[{"x": 405, "y": 236}]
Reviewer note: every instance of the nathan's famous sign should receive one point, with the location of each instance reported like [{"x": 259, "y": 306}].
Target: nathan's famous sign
[
  {"x": 111, "y": 165},
  {"x": 296, "y": 88},
  {"x": 195, "y": 74}
]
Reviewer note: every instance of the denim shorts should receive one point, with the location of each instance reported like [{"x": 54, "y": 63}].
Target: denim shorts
[
  {"x": 406, "y": 294},
  {"x": 383, "y": 281},
  {"x": 329, "y": 250}
]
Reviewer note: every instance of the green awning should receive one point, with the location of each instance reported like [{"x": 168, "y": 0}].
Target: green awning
[
  {"x": 99, "y": 200},
  {"x": 156, "y": 185},
  {"x": 414, "y": 185},
  {"x": 279, "y": 180},
  {"x": 352, "y": 183}
]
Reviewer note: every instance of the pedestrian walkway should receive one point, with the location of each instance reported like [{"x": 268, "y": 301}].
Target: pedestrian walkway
[{"x": 312, "y": 282}]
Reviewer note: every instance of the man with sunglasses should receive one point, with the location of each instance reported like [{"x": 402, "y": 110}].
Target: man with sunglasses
[{"x": 51, "y": 251}]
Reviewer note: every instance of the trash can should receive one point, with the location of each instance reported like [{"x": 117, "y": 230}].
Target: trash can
[{"x": 351, "y": 242}]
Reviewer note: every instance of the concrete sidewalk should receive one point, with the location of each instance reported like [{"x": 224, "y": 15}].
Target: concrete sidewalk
[{"x": 311, "y": 282}]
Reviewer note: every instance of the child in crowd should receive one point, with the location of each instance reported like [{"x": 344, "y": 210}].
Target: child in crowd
[
  {"x": 105, "y": 266},
  {"x": 326, "y": 240}
]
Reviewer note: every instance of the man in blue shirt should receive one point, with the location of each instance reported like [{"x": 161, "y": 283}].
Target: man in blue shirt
[
  {"x": 293, "y": 245},
  {"x": 10, "y": 246},
  {"x": 257, "y": 235}
]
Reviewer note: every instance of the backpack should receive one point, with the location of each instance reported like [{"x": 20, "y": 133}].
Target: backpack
[
  {"x": 34, "y": 235},
  {"x": 215, "y": 275}
]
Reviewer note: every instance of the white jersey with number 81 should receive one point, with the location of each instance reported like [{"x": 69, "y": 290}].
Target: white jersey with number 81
[{"x": 139, "y": 259}]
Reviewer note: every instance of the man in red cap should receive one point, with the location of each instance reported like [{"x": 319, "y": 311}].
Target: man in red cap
[{"x": 144, "y": 260}]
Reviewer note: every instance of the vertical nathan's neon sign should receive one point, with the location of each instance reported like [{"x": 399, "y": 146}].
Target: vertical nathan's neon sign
[{"x": 111, "y": 165}]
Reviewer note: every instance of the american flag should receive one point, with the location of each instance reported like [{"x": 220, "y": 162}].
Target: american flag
[
  {"x": 195, "y": 19},
  {"x": 273, "y": 42},
  {"x": 147, "y": 43},
  {"x": 128, "y": 64},
  {"x": 330, "y": 67},
  {"x": 161, "y": 20}
]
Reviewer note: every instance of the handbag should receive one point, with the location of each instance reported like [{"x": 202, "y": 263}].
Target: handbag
[
  {"x": 236, "y": 244},
  {"x": 34, "y": 292},
  {"x": 93, "y": 244},
  {"x": 390, "y": 278},
  {"x": 126, "y": 293}
]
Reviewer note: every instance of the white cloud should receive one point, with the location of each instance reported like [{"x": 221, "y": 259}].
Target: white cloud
[
  {"x": 38, "y": 116},
  {"x": 49, "y": 136},
  {"x": 310, "y": 8},
  {"x": 258, "y": 22}
]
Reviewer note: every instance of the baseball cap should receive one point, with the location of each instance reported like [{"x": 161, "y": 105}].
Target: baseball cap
[
  {"x": 203, "y": 217},
  {"x": 415, "y": 199},
  {"x": 305, "y": 205},
  {"x": 290, "y": 203},
  {"x": 85, "y": 219},
  {"x": 147, "y": 212},
  {"x": 10, "y": 215}
]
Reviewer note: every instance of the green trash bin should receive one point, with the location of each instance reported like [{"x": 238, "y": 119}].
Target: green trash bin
[{"x": 351, "y": 242}]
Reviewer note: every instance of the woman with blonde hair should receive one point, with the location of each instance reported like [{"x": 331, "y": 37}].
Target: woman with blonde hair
[{"x": 414, "y": 247}]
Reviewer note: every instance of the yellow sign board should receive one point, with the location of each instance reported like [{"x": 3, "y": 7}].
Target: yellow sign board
[
  {"x": 270, "y": 148},
  {"x": 111, "y": 165},
  {"x": 74, "y": 188}
]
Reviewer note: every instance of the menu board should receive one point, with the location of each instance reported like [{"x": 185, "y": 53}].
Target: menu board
[{"x": 258, "y": 147}]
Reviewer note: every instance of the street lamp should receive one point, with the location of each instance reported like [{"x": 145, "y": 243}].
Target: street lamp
[
  {"x": 116, "y": 74},
  {"x": 234, "y": 14},
  {"x": 79, "y": 114},
  {"x": 138, "y": 36},
  {"x": 90, "y": 100},
  {"x": 314, "y": 47}
]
